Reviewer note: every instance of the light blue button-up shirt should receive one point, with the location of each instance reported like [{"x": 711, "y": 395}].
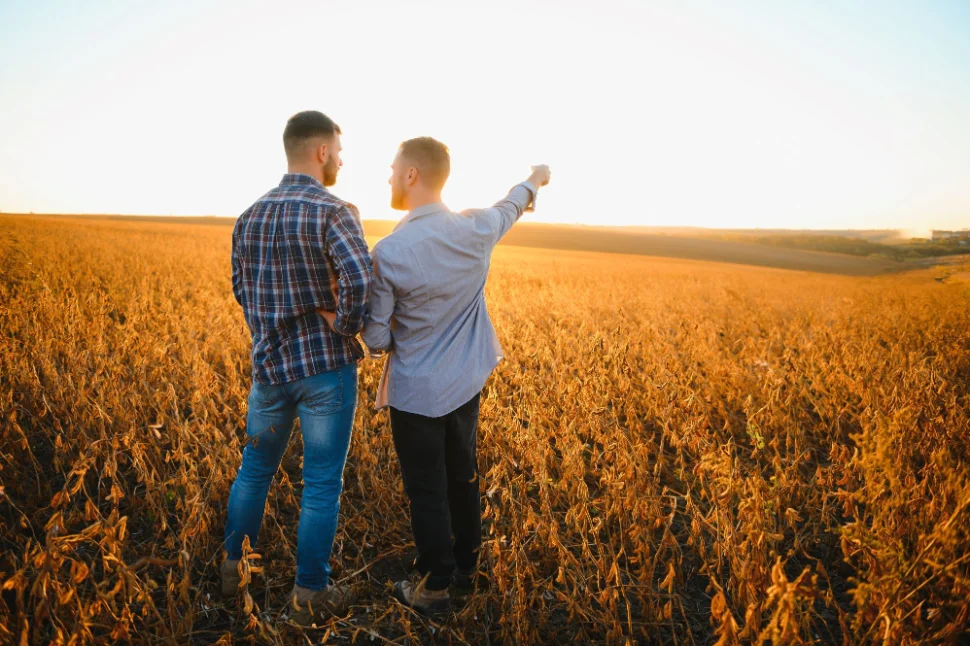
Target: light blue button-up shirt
[{"x": 427, "y": 304}]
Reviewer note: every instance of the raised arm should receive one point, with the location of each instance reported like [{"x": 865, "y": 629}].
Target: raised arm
[
  {"x": 347, "y": 248},
  {"x": 495, "y": 222},
  {"x": 380, "y": 308}
]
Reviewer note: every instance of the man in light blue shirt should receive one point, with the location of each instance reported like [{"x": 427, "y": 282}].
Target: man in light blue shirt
[{"x": 427, "y": 312}]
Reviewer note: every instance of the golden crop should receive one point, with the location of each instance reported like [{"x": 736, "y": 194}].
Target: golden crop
[{"x": 672, "y": 452}]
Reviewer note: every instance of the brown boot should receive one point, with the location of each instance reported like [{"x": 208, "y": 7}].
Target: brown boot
[
  {"x": 434, "y": 603},
  {"x": 229, "y": 572},
  {"x": 306, "y": 605}
]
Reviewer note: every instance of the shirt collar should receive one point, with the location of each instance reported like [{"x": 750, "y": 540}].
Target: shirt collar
[
  {"x": 291, "y": 179},
  {"x": 421, "y": 211}
]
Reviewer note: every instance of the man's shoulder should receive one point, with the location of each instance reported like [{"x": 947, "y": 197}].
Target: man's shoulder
[
  {"x": 335, "y": 207},
  {"x": 394, "y": 248},
  {"x": 432, "y": 229},
  {"x": 325, "y": 197},
  {"x": 307, "y": 194},
  {"x": 387, "y": 246}
]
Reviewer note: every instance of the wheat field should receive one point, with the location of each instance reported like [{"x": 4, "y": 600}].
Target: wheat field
[{"x": 672, "y": 452}]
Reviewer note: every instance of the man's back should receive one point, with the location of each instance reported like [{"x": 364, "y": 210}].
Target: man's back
[
  {"x": 436, "y": 263},
  {"x": 294, "y": 251}
]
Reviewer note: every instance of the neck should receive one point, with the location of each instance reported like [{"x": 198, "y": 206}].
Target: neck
[
  {"x": 305, "y": 169},
  {"x": 424, "y": 198}
]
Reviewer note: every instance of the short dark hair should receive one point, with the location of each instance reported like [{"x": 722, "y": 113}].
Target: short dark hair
[
  {"x": 431, "y": 158},
  {"x": 306, "y": 125}
]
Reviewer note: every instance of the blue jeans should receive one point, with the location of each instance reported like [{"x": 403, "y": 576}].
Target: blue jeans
[{"x": 325, "y": 404}]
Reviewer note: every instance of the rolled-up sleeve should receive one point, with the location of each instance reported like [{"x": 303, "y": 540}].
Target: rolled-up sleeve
[
  {"x": 347, "y": 248},
  {"x": 495, "y": 222},
  {"x": 380, "y": 307}
]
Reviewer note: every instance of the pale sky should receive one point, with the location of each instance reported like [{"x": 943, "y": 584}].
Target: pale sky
[{"x": 788, "y": 114}]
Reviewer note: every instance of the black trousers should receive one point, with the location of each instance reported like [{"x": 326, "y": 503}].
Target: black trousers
[{"x": 440, "y": 471}]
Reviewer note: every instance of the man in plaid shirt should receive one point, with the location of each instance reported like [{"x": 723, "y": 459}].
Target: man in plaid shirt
[{"x": 297, "y": 250}]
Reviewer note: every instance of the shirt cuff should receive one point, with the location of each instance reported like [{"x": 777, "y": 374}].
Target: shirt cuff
[{"x": 527, "y": 185}]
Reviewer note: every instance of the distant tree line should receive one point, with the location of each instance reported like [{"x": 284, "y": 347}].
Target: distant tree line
[{"x": 914, "y": 248}]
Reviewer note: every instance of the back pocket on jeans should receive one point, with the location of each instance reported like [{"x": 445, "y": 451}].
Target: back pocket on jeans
[
  {"x": 263, "y": 396},
  {"x": 326, "y": 393}
]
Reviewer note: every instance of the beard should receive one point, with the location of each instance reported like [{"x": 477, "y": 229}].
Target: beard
[
  {"x": 330, "y": 170},
  {"x": 398, "y": 197}
]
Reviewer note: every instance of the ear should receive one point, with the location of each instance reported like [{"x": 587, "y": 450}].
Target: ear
[
  {"x": 322, "y": 151},
  {"x": 412, "y": 177}
]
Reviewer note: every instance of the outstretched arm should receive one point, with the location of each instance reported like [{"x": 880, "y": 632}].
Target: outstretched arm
[{"x": 497, "y": 220}]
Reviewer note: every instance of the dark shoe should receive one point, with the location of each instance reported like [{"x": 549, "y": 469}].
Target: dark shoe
[
  {"x": 306, "y": 605},
  {"x": 465, "y": 579},
  {"x": 229, "y": 572},
  {"x": 434, "y": 603},
  {"x": 470, "y": 580}
]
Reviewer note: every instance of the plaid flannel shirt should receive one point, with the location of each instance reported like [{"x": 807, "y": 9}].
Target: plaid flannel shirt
[{"x": 299, "y": 248}]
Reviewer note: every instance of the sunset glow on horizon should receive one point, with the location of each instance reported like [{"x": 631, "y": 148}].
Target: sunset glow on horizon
[{"x": 652, "y": 113}]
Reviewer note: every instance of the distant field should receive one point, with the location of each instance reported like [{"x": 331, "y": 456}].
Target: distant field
[
  {"x": 699, "y": 248},
  {"x": 637, "y": 241},
  {"x": 672, "y": 452}
]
